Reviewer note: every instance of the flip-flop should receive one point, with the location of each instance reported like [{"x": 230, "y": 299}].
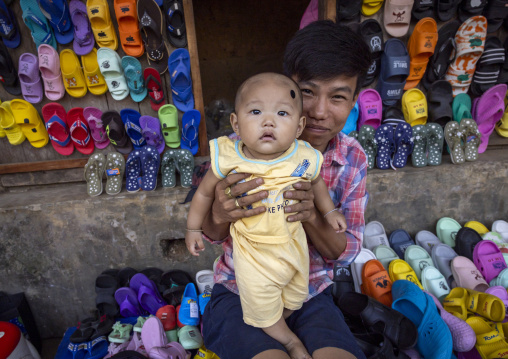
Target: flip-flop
[
  {"x": 111, "y": 68},
  {"x": 419, "y": 154},
  {"x": 150, "y": 20},
  {"x": 461, "y": 107},
  {"x": 466, "y": 240},
  {"x": 490, "y": 343},
  {"x": 112, "y": 122},
  {"x": 466, "y": 274},
  {"x": 27, "y": 117},
  {"x": 55, "y": 118},
  {"x": 49, "y": 66},
  {"x": 446, "y": 9},
  {"x": 469, "y": 44},
  {"x": 446, "y": 230},
  {"x": 400, "y": 269},
  {"x": 155, "y": 89},
  {"x": 489, "y": 66},
  {"x": 128, "y": 27},
  {"x": 115, "y": 168},
  {"x": 84, "y": 41},
  {"x": 469, "y": 8},
  {"x": 57, "y": 12},
  {"x": 148, "y": 295},
  {"x": 404, "y": 144},
  {"x": 435, "y": 282},
  {"x": 30, "y": 78},
  {"x": 9, "y": 31},
  {"x": 397, "y": 16},
  {"x": 150, "y": 162},
  {"x": 421, "y": 47},
  {"x": 190, "y": 127},
  {"x": 8, "y": 72},
  {"x": 442, "y": 256},
  {"x": 168, "y": 116},
  {"x": 440, "y": 97},
  {"x": 177, "y": 160},
  {"x": 94, "y": 80},
  {"x": 175, "y": 23},
  {"x": 181, "y": 81},
  {"x": 385, "y": 146},
  {"x": 422, "y": 8},
  {"x": 374, "y": 235},
  {"x": 134, "y": 76},
  {"x": 35, "y": 20},
  {"x": 471, "y": 137},
  {"x": 368, "y": 143},
  {"x": 94, "y": 169},
  {"x": 151, "y": 130},
  {"x": 371, "y": 108},
  {"x": 426, "y": 240},
  {"x": 351, "y": 121},
  {"x": 418, "y": 258},
  {"x": 363, "y": 257},
  {"x": 8, "y": 124},
  {"x": 487, "y": 111},
  {"x": 385, "y": 255},
  {"x": 376, "y": 283},
  {"x": 130, "y": 118},
  {"x": 434, "y": 337},
  {"x": 495, "y": 11},
  {"x": 128, "y": 302},
  {"x": 435, "y": 142},
  {"x": 102, "y": 26},
  {"x": 79, "y": 131},
  {"x": 394, "y": 71},
  {"x": 73, "y": 78},
  {"x": 370, "y": 7},
  {"x": 453, "y": 138},
  {"x": 414, "y": 107},
  {"x": 372, "y": 33},
  {"x": 488, "y": 259},
  {"x": 133, "y": 171}
]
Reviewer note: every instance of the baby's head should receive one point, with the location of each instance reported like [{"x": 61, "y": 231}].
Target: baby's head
[{"x": 268, "y": 115}]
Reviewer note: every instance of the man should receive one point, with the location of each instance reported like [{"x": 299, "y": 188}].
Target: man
[{"x": 329, "y": 63}]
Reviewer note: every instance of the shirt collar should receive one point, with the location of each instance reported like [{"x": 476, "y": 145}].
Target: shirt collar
[{"x": 336, "y": 150}]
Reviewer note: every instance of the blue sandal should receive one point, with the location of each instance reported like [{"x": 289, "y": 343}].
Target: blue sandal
[
  {"x": 57, "y": 12},
  {"x": 130, "y": 118},
  {"x": 190, "y": 123},
  {"x": 385, "y": 146},
  {"x": 9, "y": 31},
  {"x": 34, "y": 19},
  {"x": 181, "y": 81},
  {"x": 404, "y": 144}
]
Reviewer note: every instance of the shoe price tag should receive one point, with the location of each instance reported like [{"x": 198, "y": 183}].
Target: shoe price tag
[
  {"x": 112, "y": 172},
  {"x": 194, "y": 312}
]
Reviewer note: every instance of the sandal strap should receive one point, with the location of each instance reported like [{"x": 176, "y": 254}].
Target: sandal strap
[{"x": 175, "y": 9}]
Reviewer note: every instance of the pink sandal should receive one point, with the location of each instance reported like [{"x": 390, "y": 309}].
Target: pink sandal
[
  {"x": 488, "y": 259},
  {"x": 99, "y": 135},
  {"x": 371, "y": 108}
]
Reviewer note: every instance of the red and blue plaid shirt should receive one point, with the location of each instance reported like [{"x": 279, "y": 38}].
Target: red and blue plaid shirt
[{"x": 344, "y": 171}]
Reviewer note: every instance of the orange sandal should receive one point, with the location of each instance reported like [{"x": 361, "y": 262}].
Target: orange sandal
[
  {"x": 128, "y": 27},
  {"x": 376, "y": 282}
]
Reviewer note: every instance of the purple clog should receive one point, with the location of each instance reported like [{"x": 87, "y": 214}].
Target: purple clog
[
  {"x": 147, "y": 293},
  {"x": 83, "y": 37},
  {"x": 30, "y": 78}
]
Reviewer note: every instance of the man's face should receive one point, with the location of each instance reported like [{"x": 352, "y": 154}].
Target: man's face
[{"x": 326, "y": 106}]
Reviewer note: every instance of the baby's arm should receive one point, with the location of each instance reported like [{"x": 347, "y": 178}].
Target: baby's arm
[
  {"x": 325, "y": 205},
  {"x": 199, "y": 208}
]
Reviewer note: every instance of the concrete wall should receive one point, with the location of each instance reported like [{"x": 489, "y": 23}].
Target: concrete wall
[{"x": 55, "y": 239}]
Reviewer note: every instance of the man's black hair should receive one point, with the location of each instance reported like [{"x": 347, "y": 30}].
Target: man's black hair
[{"x": 324, "y": 50}]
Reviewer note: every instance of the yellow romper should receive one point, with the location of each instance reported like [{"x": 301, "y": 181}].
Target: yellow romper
[{"x": 270, "y": 255}]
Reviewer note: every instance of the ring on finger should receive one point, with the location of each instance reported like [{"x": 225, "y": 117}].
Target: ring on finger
[
  {"x": 227, "y": 191},
  {"x": 237, "y": 204}
]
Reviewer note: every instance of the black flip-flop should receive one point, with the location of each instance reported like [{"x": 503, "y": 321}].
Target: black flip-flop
[
  {"x": 423, "y": 8},
  {"x": 125, "y": 275},
  {"x": 446, "y": 9},
  {"x": 470, "y": 8},
  {"x": 116, "y": 131},
  {"x": 343, "y": 281},
  {"x": 488, "y": 67},
  {"x": 440, "y": 60},
  {"x": 105, "y": 288},
  {"x": 372, "y": 33},
  {"x": 150, "y": 21},
  {"x": 381, "y": 319},
  {"x": 348, "y": 11},
  {"x": 495, "y": 12},
  {"x": 440, "y": 98},
  {"x": 465, "y": 241},
  {"x": 393, "y": 116},
  {"x": 175, "y": 23},
  {"x": 8, "y": 73}
]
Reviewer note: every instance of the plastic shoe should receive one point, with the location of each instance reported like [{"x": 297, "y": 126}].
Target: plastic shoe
[
  {"x": 477, "y": 226},
  {"x": 8, "y": 124},
  {"x": 363, "y": 257},
  {"x": 190, "y": 337},
  {"x": 121, "y": 333},
  {"x": 426, "y": 240},
  {"x": 376, "y": 283},
  {"x": 466, "y": 274},
  {"x": 489, "y": 341},
  {"x": 446, "y": 230},
  {"x": 374, "y": 235},
  {"x": 418, "y": 258},
  {"x": 167, "y": 316},
  {"x": 189, "y": 310},
  {"x": 488, "y": 259},
  {"x": 385, "y": 255},
  {"x": 400, "y": 269},
  {"x": 434, "y": 282},
  {"x": 400, "y": 240}
]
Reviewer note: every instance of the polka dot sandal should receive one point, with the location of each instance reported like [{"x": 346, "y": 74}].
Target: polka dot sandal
[
  {"x": 115, "y": 168},
  {"x": 385, "y": 146},
  {"x": 404, "y": 142},
  {"x": 419, "y": 155},
  {"x": 471, "y": 137},
  {"x": 369, "y": 145},
  {"x": 435, "y": 142},
  {"x": 354, "y": 134},
  {"x": 185, "y": 166},
  {"x": 133, "y": 171},
  {"x": 453, "y": 137},
  {"x": 93, "y": 174},
  {"x": 150, "y": 162},
  {"x": 168, "y": 168}
]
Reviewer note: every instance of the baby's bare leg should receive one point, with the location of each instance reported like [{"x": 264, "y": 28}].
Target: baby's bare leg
[
  {"x": 286, "y": 313},
  {"x": 280, "y": 332}
]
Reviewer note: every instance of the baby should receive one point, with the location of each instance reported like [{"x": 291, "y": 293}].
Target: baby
[{"x": 271, "y": 257}]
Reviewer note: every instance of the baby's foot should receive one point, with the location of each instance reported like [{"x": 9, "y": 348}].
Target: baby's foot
[{"x": 297, "y": 350}]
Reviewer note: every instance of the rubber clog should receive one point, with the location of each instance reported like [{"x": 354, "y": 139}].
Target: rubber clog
[
  {"x": 434, "y": 282},
  {"x": 418, "y": 258},
  {"x": 376, "y": 282},
  {"x": 489, "y": 342},
  {"x": 128, "y": 27},
  {"x": 374, "y": 235},
  {"x": 27, "y": 117},
  {"x": 181, "y": 80},
  {"x": 168, "y": 116},
  {"x": 57, "y": 12},
  {"x": 446, "y": 230},
  {"x": 84, "y": 41},
  {"x": 79, "y": 131},
  {"x": 397, "y": 16},
  {"x": 189, "y": 311},
  {"x": 368, "y": 143},
  {"x": 466, "y": 240},
  {"x": 115, "y": 169},
  {"x": 400, "y": 269},
  {"x": 73, "y": 78},
  {"x": 94, "y": 80},
  {"x": 442, "y": 256},
  {"x": 488, "y": 259},
  {"x": 55, "y": 118},
  {"x": 434, "y": 337},
  {"x": 466, "y": 274},
  {"x": 35, "y": 20},
  {"x": 30, "y": 78},
  {"x": 190, "y": 131},
  {"x": 111, "y": 68},
  {"x": 399, "y": 241},
  {"x": 8, "y": 124},
  {"x": 456, "y": 303},
  {"x": 49, "y": 66},
  {"x": 134, "y": 76},
  {"x": 414, "y": 107},
  {"x": 427, "y": 240},
  {"x": 385, "y": 255},
  {"x": 102, "y": 26}
]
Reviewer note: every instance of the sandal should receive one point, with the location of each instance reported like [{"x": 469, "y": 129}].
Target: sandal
[
  {"x": 175, "y": 21},
  {"x": 154, "y": 87},
  {"x": 368, "y": 143},
  {"x": 150, "y": 19},
  {"x": 471, "y": 138},
  {"x": 121, "y": 333}
]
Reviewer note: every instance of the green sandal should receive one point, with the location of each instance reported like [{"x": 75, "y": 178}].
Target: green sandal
[
  {"x": 168, "y": 116},
  {"x": 453, "y": 138},
  {"x": 121, "y": 333},
  {"x": 180, "y": 160},
  {"x": 368, "y": 143},
  {"x": 435, "y": 143},
  {"x": 354, "y": 134},
  {"x": 471, "y": 137},
  {"x": 168, "y": 168},
  {"x": 115, "y": 168},
  {"x": 93, "y": 174},
  {"x": 419, "y": 155},
  {"x": 461, "y": 107}
]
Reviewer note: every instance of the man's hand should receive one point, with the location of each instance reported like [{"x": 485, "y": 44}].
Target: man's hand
[{"x": 304, "y": 209}]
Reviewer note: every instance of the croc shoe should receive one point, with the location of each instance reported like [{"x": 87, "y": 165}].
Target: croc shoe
[
  {"x": 73, "y": 78},
  {"x": 27, "y": 117},
  {"x": 8, "y": 123},
  {"x": 189, "y": 311},
  {"x": 168, "y": 116},
  {"x": 94, "y": 79},
  {"x": 488, "y": 259}
]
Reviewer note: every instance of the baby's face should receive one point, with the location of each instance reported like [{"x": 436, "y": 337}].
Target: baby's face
[{"x": 268, "y": 118}]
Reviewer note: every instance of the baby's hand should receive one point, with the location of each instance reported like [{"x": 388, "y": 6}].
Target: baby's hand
[
  {"x": 337, "y": 221},
  {"x": 194, "y": 242}
]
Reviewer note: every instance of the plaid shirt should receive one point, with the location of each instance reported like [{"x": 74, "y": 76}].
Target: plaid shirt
[{"x": 344, "y": 171}]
